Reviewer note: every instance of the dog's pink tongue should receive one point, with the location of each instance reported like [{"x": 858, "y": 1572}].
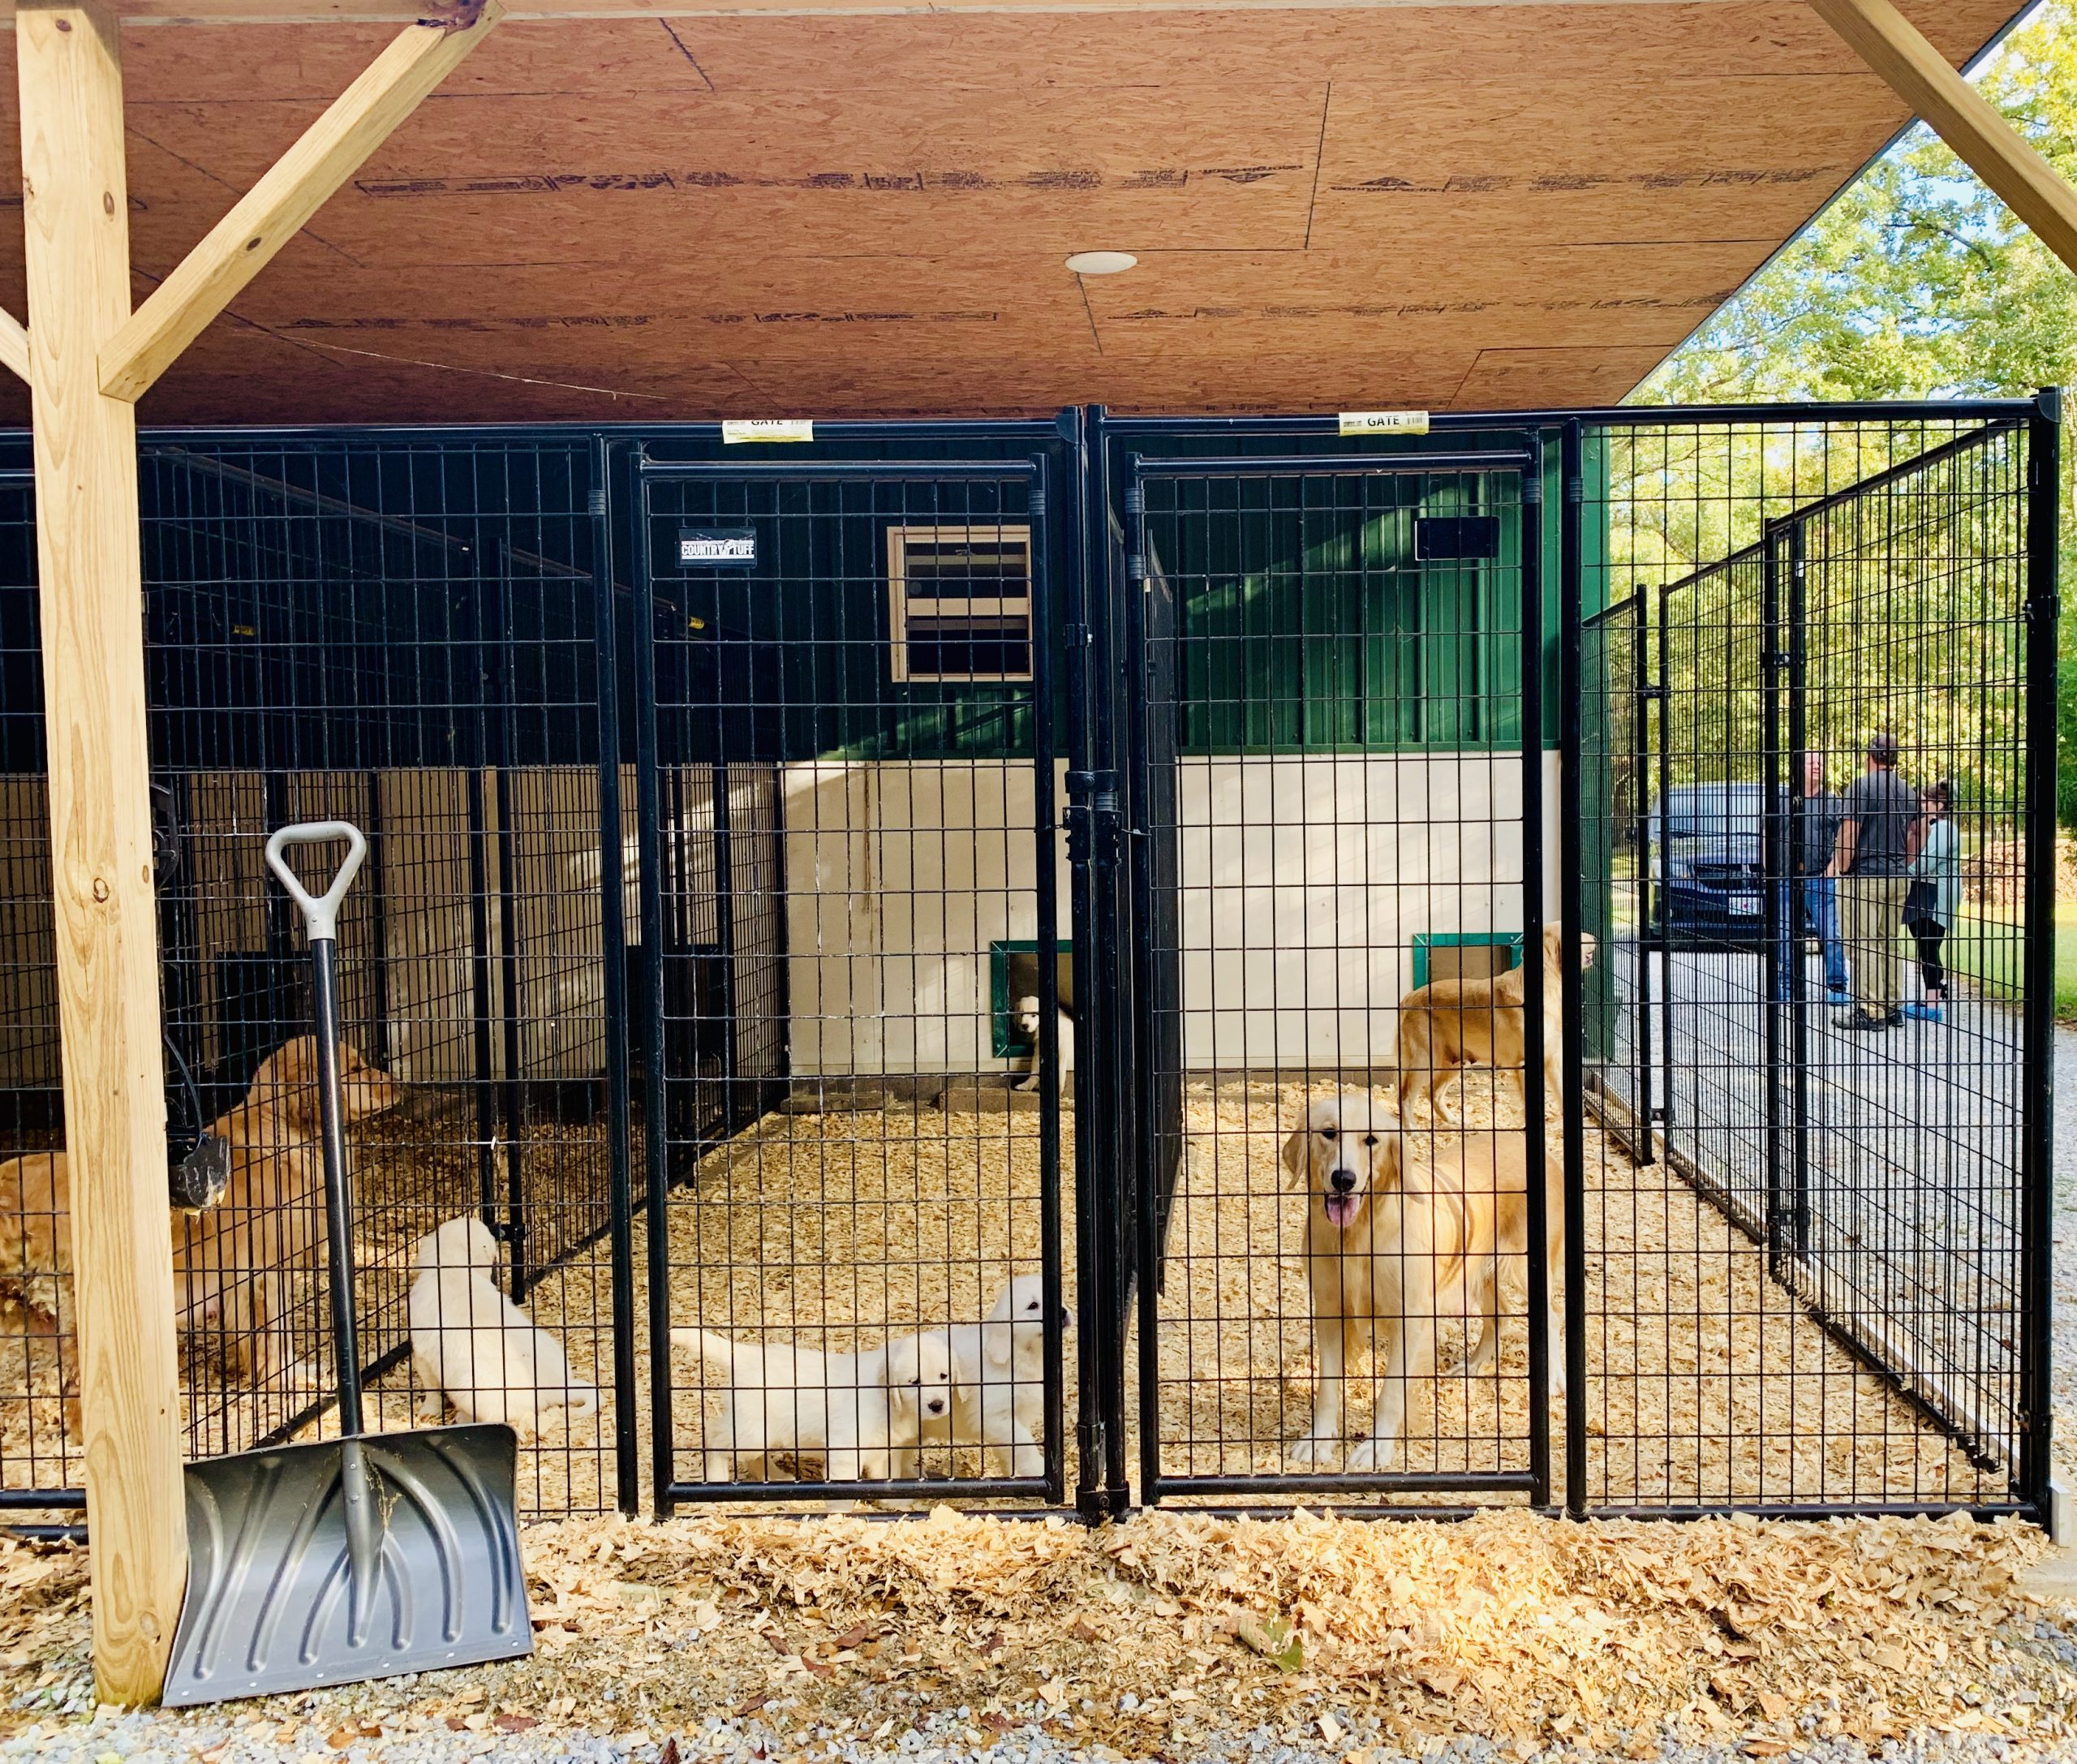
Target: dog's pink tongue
[{"x": 1340, "y": 1208}]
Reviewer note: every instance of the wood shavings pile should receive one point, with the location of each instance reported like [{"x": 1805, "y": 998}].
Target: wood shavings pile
[
  {"x": 1149, "y": 1638},
  {"x": 1510, "y": 1625}
]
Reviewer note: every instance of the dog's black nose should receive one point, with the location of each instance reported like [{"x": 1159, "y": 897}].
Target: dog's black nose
[
  {"x": 1341, "y": 1181},
  {"x": 1066, "y": 1318}
]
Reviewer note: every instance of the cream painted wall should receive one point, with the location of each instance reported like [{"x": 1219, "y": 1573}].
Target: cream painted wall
[
  {"x": 898, "y": 878},
  {"x": 1304, "y": 881}
]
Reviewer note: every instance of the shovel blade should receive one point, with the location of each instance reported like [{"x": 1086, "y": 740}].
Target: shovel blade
[{"x": 286, "y": 1591}]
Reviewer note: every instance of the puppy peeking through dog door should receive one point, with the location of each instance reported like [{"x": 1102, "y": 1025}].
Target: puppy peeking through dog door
[{"x": 1393, "y": 1244}]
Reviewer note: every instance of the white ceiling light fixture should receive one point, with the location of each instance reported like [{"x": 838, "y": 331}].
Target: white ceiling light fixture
[{"x": 1101, "y": 263}]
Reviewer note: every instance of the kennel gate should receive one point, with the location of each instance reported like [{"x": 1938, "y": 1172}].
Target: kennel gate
[
  {"x": 1337, "y": 784},
  {"x": 875, "y": 635}
]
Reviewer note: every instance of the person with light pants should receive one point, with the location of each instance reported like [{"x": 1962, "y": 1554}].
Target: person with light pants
[
  {"x": 1812, "y": 892},
  {"x": 1878, "y": 839}
]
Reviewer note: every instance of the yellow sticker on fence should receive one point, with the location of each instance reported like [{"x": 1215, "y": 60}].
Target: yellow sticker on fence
[
  {"x": 771, "y": 428},
  {"x": 1384, "y": 422}
]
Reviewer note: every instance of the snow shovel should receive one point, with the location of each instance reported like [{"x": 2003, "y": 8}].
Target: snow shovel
[{"x": 362, "y": 1556}]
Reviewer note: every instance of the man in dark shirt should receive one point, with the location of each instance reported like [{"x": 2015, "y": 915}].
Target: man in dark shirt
[
  {"x": 1819, "y": 893},
  {"x": 1871, "y": 861}
]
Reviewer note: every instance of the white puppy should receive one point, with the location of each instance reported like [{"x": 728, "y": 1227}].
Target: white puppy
[
  {"x": 999, "y": 1381},
  {"x": 1027, "y": 1025},
  {"x": 470, "y": 1341},
  {"x": 855, "y": 1411}
]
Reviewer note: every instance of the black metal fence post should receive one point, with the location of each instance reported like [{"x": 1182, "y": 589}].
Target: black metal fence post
[
  {"x": 1571, "y": 865},
  {"x": 2037, "y": 1147},
  {"x": 1643, "y": 689},
  {"x": 1799, "y": 1039},
  {"x": 1534, "y": 1102},
  {"x": 1782, "y": 958},
  {"x": 648, "y": 779},
  {"x": 1104, "y": 1118},
  {"x": 1046, "y": 905},
  {"x": 612, "y": 950}
]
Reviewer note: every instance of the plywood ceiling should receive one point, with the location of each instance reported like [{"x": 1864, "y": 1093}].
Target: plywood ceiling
[{"x": 1456, "y": 206}]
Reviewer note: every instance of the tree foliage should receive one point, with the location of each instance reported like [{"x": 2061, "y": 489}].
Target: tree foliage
[{"x": 1918, "y": 282}]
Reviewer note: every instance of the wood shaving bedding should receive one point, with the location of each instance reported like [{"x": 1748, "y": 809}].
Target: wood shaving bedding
[
  {"x": 1707, "y": 1380},
  {"x": 1135, "y": 1636}
]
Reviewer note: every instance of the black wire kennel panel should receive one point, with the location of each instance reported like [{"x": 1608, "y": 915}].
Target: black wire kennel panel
[
  {"x": 845, "y": 708},
  {"x": 403, "y": 633},
  {"x": 1339, "y": 892},
  {"x": 1809, "y": 1210}
]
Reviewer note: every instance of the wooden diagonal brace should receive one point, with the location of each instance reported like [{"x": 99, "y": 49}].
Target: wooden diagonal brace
[
  {"x": 269, "y": 215},
  {"x": 14, "y": 346},
  {"x": 1967, "y": 120}
]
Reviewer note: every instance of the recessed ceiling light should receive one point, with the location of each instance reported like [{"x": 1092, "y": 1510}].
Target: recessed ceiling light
[{"x": 1101, "y": 263}]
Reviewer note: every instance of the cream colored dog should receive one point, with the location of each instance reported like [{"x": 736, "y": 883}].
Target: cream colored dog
[
  {"x": 473, "y": 1343},
  {"x": 855, "y": 1411},
  {"x": 998, "y": 1382},
  {"x": 1449, "y": 1025},
  {"x": 1027, "y": 1025},
  {"x": 1393, "y": 1244}
]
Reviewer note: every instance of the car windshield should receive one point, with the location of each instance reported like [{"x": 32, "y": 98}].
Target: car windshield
[{"x": 1714, "y": 811}]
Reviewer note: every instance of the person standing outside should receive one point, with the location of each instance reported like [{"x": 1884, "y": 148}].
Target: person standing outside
[
  {"x": 1935, "y": 895},
  {"x": 1878, "y": 838},
  {"x": 1819, "y": 893}
]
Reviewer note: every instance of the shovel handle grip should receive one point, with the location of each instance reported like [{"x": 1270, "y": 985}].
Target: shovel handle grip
[{"x": 320, "y": 912}]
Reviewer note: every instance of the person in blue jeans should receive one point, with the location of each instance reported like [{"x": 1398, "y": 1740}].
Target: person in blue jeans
[{"x": 1822, "y": 813}]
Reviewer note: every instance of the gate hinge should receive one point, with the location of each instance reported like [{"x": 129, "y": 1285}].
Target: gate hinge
[
  {"x": 2046, "y": 607},
  {"x": 1651, "y": 691},
  {"x": 1034, "y": 501},
  {"x": 1774, "y": 661},
  {"x": 1135, "y": 500},
  {"x": 1078, "y": 636},
  {"x": 1135, "y": 567}
]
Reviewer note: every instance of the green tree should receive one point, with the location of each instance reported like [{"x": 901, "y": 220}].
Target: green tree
[{"x": 1918, "y": 282}]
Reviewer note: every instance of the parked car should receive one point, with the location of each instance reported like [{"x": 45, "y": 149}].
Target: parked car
[{"x": 1708, "y": 867}]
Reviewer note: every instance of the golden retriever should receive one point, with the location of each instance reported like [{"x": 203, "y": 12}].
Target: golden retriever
[
  {"x": 1393, "y": 1244},
  {"x": 1448, "y": 1025},
  {"x": 232, "y": 1264}
]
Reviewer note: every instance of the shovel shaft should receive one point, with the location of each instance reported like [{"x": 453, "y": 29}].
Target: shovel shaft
[{"x": 338, "y": 1202}]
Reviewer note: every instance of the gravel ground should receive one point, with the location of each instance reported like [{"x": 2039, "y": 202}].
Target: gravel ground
[{"x": 940, "y": 1740}]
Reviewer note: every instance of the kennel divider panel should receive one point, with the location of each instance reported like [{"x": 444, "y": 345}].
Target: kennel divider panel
[
  {"x": 1917, "y": 609},
  {"x": 1460, "y": 687},
  {"x": 800, "y": 673},
  {"x": 1790, "y": 1399}
]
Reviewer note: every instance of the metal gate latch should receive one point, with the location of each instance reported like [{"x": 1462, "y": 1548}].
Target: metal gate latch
[{"x": 1093, "y": 816}]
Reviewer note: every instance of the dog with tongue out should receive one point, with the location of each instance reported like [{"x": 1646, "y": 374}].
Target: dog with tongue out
[{"x": 1395, "y": 1245}]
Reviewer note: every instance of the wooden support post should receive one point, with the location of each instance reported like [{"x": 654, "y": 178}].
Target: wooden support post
[
  {"x": 76, "y": 212},
  {"x": 1962, "y": 116}
]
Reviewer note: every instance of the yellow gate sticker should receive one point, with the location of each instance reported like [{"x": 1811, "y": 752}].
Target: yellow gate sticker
[
  {"x": 1384, "y": 422},
  {"x": 786, "y": 429}
]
